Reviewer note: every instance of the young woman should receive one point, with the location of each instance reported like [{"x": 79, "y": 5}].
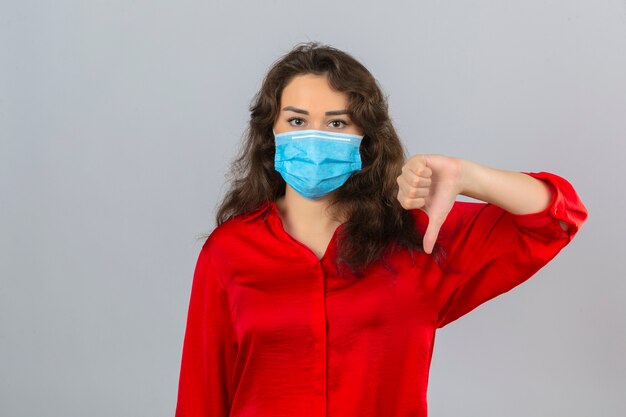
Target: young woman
[{"x": 335, "y": 260}]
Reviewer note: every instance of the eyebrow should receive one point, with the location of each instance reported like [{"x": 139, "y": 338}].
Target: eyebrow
[{"x": 328, "y": 113}]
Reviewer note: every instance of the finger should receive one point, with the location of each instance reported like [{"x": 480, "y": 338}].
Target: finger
[
  {"x": 410, "y": 180},
  {"x": 432, "y": 231},
  {"x": 417, "y": 192},
  {"x": 419, "y": 169},
  {"x": 412, "y": 192},
  {"x": 408, "y": 202},
  {"x": 409, "y": 174},
  {"x": 412, "y": 203}
]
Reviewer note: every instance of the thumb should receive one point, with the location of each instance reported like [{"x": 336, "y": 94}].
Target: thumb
[{"x": 432, "y": 231}]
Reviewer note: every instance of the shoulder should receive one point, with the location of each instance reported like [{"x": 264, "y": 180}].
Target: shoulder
[{"x": 227, "y": 235}]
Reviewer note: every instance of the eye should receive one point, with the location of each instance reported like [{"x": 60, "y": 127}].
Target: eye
[
  {"x": 298, "y": 121},
  {"x": 338, "y": 123}
]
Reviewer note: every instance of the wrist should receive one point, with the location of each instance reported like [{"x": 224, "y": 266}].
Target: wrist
[{"x": 469, "y": 178}]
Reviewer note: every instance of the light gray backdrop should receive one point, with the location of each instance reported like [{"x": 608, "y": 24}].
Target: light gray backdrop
[{"x": 117, "y": 123}]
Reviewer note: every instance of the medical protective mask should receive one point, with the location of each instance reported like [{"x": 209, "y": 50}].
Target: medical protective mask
[{"x": 316, "y": 162}]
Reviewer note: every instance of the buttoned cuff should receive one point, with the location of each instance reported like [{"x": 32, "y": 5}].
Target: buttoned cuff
[{"x": 564, "y": 205}]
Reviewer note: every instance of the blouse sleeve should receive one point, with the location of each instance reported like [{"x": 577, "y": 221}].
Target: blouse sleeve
[
  {"x": 208, "y": 349},
  {"x": 490, "y": 250}
]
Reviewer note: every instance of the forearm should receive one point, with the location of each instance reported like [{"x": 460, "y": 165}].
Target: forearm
[{"x": 515, "y": 192}]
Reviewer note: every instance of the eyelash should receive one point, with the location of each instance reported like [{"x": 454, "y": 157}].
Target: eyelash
[{"x": 332, "y": 121}]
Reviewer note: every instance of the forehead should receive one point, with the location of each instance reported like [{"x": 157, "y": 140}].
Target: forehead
[{"x": 311, "y": 92}]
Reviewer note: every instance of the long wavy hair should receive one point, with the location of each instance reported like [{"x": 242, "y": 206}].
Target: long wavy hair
[{"x": 376, "y": 222}]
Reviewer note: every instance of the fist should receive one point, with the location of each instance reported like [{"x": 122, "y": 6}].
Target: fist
[{"x": 430, "y": 183}]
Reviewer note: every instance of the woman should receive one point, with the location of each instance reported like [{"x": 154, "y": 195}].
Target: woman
[{"x": 335, "y": 260}]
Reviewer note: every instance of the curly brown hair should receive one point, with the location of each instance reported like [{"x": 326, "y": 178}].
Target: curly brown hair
[{"x": 376, "y": 222}]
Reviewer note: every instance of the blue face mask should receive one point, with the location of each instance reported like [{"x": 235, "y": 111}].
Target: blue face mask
[{"x": 316, "y": 162}]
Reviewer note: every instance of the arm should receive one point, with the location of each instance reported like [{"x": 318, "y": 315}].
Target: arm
[
  {"x": 491, "y": 246},
  {"x": 432, "y": 182},
  {"x": 515, "y": 192},
  {"x": 209, "y": 346}
]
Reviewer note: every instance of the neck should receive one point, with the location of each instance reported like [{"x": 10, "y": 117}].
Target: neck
[{"x": 298, "y": 212}]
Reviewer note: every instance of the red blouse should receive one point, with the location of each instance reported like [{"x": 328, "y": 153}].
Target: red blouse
[{"x": 273, "y": 331}]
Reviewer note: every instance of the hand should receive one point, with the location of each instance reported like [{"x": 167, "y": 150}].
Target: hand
[{"x": 430, "y": 183}]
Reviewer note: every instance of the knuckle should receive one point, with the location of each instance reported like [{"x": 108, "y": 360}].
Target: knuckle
[{"x": 414, "y": 193}]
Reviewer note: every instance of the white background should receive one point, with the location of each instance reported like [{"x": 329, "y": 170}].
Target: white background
[{"x": 118, "y": 120}]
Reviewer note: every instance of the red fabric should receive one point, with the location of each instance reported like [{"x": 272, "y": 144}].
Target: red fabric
[{"x": 272, "y": 331}]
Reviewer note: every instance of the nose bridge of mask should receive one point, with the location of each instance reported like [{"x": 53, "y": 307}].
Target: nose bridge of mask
[
  {"x": 319, "y": 147},
  {"x": 318, "y": 135}
]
